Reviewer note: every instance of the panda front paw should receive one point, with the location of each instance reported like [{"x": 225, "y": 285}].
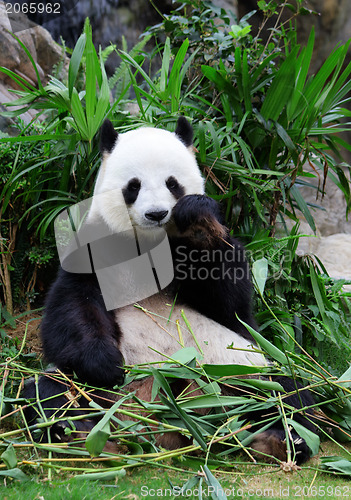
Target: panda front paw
[{"x": 198, "y": 217}]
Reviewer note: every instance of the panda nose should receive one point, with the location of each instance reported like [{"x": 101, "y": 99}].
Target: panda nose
[{"x": 156, "y": 216}]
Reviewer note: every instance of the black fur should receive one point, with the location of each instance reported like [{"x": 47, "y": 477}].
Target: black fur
[
  {"x": 226, "y": 292},
  {"x": 78, "y": 334},
  {"x": 57, "y": 405},
  {"x": 131, "y": 190},
  {"x": 184, "y": 131},
  {"x": 298, "y": 446},
  {"x": 175, "y": 188},
  {"x": 108, "y": 137}
]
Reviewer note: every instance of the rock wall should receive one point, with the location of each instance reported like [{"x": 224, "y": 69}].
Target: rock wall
[
  {"x": 332, "y": 242},
  {"x": 111, "y": 20}
]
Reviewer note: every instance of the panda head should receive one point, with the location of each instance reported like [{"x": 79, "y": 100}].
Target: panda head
[{"x": 143, "y": 174}]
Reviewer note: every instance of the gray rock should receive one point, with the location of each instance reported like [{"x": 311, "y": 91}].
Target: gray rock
[{"x": 44, "y": 50}]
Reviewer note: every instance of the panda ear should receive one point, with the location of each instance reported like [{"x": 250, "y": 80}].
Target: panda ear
[
  {"x": 184, "y": 131},
  {"x": 108, "y": 137}
]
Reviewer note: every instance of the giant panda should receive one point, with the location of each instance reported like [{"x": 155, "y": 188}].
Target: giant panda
[{"x": 149, "y": 179}]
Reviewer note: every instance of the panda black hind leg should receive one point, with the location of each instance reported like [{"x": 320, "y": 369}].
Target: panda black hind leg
[
  {"x": 273, "y": 441},
  {"x": 58, "y": 403},
  {"x": 270, "y": 444}
]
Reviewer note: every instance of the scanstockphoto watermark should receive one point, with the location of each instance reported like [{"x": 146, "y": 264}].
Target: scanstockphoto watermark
[
  {"x": 222, "y": 264},
  {"x": 207, "y": 492},
  {"x": 215, "y": 264},
  {"x": 296, "y": 491},
  {"x": 133, "y": 264}
]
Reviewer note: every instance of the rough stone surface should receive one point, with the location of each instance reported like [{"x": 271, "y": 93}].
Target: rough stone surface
[
  {"x": 45, "y": 52},
  {"x": 332, "y": 241},
  {"x": 332, "y": 218},
  {"x": 334, "y": 252}
]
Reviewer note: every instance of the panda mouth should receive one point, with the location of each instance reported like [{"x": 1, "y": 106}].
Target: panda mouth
[{"x": 153, "y": 225}]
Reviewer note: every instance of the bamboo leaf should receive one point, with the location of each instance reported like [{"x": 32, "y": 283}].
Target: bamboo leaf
[
  {"x": 231, "y": 370},
  {"x": 79, "y": 116},
  {"x": 185, "y": 355},
  {"x": 14, "y": 474},
  {"x": 208, "y": 401},
  {"x": 109, "y": 475},
  {"x": 280, "y": 91},
  {"x": 302, "y": 206},
  {"x": 260, "y": 273},
  {"x": 74, "y": 64},
  {"x": 29, "y": 55},
  {"x": 90, "y": 78},
  {"x": 127, "y": 58},
  {"x": 9, "y": 457},
  {"x": 173, "y": 405},
  {"x": 302, "y": 66},
  {"x": 283, "y": 134},
  {"x": 100, "y": 433},
  {"x": 312, "y": 439},
  {"x": 269, "y": 348},
  {"x": 165, "y": 67},
  {"x": 103, "y": 102},
  {"x": 338, "y": 465},
  {"x": 22, "y": 82},
  {"x": 345, "y": 379},
  {"x": 217, "y": 492}
]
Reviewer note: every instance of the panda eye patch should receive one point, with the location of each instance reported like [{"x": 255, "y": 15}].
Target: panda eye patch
[
  {"x": 131, "y": 191},
  {"x": 172, "y": 183},
  {"x": 133, "y": 185},
  {"x": 174, "y": 187}
]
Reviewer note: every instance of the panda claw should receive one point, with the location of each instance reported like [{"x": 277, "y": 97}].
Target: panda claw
[{"x": 298, "y": 441}]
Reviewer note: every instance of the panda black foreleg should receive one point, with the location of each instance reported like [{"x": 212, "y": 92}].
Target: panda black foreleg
[
  {"x": 210, "y": 267},
  {"x": 78, "y": 334}
]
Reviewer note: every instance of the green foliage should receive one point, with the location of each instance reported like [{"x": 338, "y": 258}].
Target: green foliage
[
  {"x": 265, "y": 116},
  {"x": 48, "y": 166},
  {"x": 224, "y": 433}
]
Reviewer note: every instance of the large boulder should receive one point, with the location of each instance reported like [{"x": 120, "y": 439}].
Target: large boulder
[{"x": 44, "y": 50}]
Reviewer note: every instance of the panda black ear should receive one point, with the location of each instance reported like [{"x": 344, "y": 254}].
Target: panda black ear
[
  {"x": 184, "y": 131},
  {"x": 108, "y": 137}
]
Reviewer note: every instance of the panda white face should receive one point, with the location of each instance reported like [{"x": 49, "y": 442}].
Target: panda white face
[{"x": 147, "y": 171}]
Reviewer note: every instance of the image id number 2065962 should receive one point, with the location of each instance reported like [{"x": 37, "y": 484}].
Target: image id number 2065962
[{"x": 33, "y": 8}]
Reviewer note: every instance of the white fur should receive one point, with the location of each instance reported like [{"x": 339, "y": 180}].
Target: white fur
[
  {"x": 147, "y": 335},
  {"x": 151, "y": 155}
]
